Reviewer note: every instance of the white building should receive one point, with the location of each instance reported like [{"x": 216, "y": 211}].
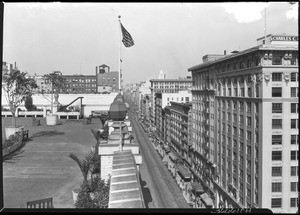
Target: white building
[{"x": 245, "y": 126}]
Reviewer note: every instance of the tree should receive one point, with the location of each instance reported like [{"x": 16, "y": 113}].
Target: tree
[
  {"x": 84, "y": 164},
  {"x": 17, "y": 86},
  {"x": 55, "y": 83},
  {"x": 29, "y": 103}
]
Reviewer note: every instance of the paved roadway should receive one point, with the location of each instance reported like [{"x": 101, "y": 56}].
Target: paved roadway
[{"x": 159, "y": 187}]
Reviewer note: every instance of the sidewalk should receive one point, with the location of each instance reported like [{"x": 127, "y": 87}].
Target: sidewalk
[{"x": 43, "y": 168}]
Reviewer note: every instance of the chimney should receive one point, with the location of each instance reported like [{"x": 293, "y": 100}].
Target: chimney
[
  {"x": 224, "y": 52},
  {"x": 96, "y": 70}
]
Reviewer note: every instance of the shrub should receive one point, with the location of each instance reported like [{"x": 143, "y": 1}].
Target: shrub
[
  {"x": 97, "y": 188},
  {"x": 15, "y": 138},
  {"x": 29, "y": 104}
]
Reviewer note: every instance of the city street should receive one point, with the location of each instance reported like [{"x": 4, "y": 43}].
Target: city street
[{"x": 159, "y": 187}]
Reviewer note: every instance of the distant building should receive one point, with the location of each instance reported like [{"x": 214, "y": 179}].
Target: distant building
[
  {"x": 166, "y": 86},
  {"x": 176, "y": 135},
  {"x": 245, "y": 126},
  {"x": 82, "y": 84},
  {"x": 162, "y": 75},
  {"x": 107, "y": 81}
]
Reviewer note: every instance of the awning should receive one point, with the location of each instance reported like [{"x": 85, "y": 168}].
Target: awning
[
  {"x": 208, "y": 201},
  {"x": 166, "y": 148},
  {"x": 183, "y": 172},
  {"x": 173, "y": 156},
  {"x": 197, "y": 188}
]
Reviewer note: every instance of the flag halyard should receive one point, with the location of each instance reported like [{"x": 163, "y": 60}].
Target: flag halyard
[{"x": 127, "y": 39}]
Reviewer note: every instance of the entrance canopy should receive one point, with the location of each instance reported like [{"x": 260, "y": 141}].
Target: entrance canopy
[
  {"x": 183, "y": 172},
  {"x": 197, "y": 188}
]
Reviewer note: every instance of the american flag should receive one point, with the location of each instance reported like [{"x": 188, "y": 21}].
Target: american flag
[{"x": 127, "y": 39}]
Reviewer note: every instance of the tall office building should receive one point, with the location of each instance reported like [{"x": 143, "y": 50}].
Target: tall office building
[{"x": 245, "y": 125}]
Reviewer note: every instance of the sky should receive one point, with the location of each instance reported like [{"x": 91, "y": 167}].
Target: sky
[{"x": 74, "y": 38}]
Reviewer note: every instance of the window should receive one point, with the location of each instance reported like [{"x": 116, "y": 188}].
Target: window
[
  {"x": 294, "y": 123},
  {"x": 293, "y": 77},
  {"x": 294, "y": 170},
  {"x": 276, "y": 76},
  {"x": 276, "y": 60},
  {"x": 294, "y": 91},
  {"x": 277, "y": 187},
  {"x": 294, "y": 155},
  {"x": 276, "y": 107},
  {"x": 294, "y": 139},
  {"x": 276, "y": 171},
  {"x": 276, "y": 203},
  {"x": 276, "y": 123},
  {"x": 276, "y": 139},
  {"x": 187, "y": 99},
  {"x": 294, "y": 186},
  {"x": 294, "y": 108},
  {"x": 248, "y": 121},
  {"x": 276, "y": 91},
  {"x": 276, "y": 155},
  {"x": 293, "y": 202}
]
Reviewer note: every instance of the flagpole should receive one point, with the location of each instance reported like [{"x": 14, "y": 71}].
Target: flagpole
[
  {"x": 265, "y": 29},
  {"x": 120, "y": 56}
]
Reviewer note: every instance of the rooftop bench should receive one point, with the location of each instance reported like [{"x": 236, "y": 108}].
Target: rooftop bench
[{"x": 68, "y": 114}]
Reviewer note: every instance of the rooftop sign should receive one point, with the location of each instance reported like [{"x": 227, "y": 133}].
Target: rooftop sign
[{"x": 283, "y": 38}]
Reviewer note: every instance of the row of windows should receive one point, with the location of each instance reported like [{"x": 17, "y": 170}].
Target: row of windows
[
  {"x": 277, "y": 123},
  {"x": 172, "y": 83},
  {"x": 277, "y": 76},
  {"x": 277, "y": 108},
  {"x": 277, "y": 155},
  {"x": 277, "y": 202},
  {"x": 277, "y": 139},
  {"x": 277, "y": 92},
  {"x": 277, "y": 171},
  {"x": 74, "y": 80},
  {"x": 108, "y": 79}
]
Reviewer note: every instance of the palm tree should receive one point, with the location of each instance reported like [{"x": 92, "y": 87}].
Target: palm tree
[{"x": 84, "y": 164}]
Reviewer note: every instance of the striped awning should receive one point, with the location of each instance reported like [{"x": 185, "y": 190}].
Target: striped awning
[
  {"x": 208, "y": 201},
  {"x": 183, "y": 172},
  {"x": 173, "y": 156},
  {"x": 166, "y": 148},
  {"x": 197, "y": 188}
]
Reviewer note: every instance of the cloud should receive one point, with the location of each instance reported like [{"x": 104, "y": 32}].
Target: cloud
[
  {"x": 245, "y": 12},
  {"x": 293, "y": 13}
]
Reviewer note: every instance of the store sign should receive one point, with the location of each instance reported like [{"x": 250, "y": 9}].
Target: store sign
[{"x": 284, "y": 38}]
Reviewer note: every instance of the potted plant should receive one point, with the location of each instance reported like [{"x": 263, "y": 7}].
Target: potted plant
[
  {"x": 85, "y": 166},
  {"x": 16, "y": 86},
  {"x": 90, "y": 166},
  {"x": 55, "y": 84}
]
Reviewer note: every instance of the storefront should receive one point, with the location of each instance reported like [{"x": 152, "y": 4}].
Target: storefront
[
  {"x": 183, "y": 179},
  {"x": 171, "y": 165},
  {"x": 195, "y": 192}
]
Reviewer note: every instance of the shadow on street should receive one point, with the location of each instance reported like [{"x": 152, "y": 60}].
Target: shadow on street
[{"x": 146, "y": 194}]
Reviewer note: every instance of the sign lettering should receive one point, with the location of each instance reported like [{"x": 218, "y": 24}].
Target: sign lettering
[{"x": 284, "y": 38}]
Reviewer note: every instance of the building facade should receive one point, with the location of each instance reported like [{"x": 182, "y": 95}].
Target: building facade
[
  {"x": 166, "y": 86},
  {"x": 245, "y": 126},
  {"x": 79, "y": 83},
  {"x": 107, "y": 81}
]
